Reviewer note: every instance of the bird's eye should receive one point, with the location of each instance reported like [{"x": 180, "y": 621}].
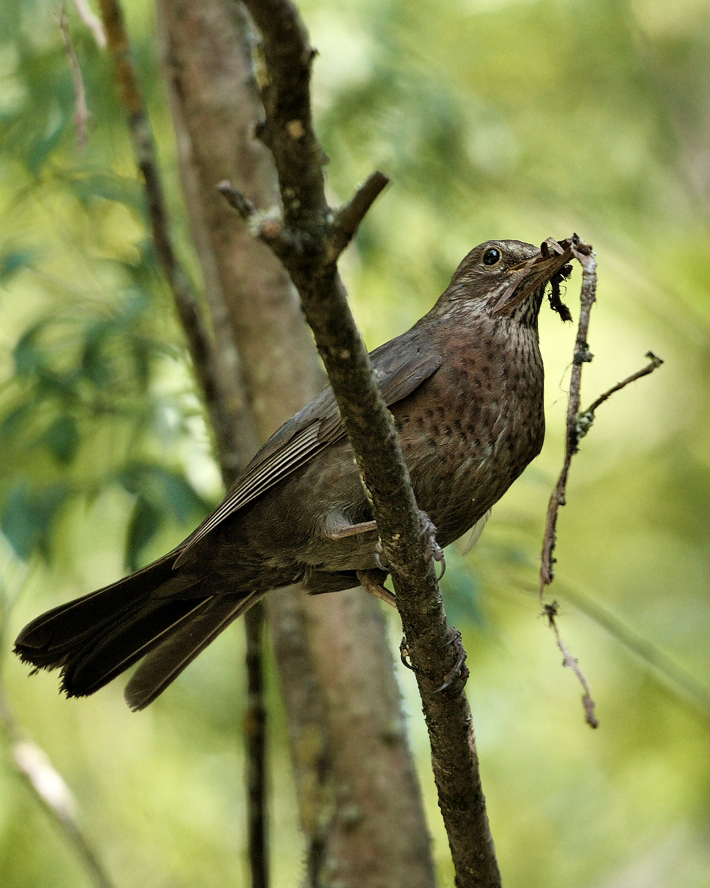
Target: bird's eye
[{"x": 491, "y": 256}]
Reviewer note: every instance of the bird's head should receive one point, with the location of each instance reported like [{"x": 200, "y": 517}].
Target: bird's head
[{"x": 507, "y": 278}]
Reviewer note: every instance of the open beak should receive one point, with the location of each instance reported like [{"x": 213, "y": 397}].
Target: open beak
[{"x": 527, "y": 277}]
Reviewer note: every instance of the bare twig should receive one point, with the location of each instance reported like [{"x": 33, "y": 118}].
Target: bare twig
[
  {"x": 577, "y": 426},
  {"x": 91, "y": 22},
  {"x": 551, "y": 611},
  {"x": 81, "y": 111},
  {"x": 349, "y": 216},
  {"x": 205, "y": 359},
  {"x": 581, "y": 356},
  {"x": 288, "y": 133},
  {"x": 676, "y": 678},
  {"x": 586, "y": 418},
  {"x": 50, "y": 789}
]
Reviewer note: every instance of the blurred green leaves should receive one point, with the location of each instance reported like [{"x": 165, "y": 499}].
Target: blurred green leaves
[
  {"x": 28, "y": 517},
  {"x": 494, "y": 118}
]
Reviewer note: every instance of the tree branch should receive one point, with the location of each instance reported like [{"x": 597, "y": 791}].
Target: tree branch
[
  {"x": 577, "y": 426},
  {"x": 308, "y": 219},
  {"x": 329, "y": 650}
]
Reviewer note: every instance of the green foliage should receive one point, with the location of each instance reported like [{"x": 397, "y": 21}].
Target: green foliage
[{"x": 494, "y": 119}]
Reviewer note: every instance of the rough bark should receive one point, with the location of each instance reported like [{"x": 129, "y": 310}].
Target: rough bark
[{"x": 307, "y": 240}]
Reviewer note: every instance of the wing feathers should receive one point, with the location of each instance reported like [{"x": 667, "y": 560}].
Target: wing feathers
[{"x": 320, "y": 425}]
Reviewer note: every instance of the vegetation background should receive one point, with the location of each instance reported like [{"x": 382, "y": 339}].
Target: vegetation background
[{"x": 494, "y": 118}]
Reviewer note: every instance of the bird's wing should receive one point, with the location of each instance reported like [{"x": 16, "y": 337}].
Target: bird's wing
[{"x": 314, "y": 428}]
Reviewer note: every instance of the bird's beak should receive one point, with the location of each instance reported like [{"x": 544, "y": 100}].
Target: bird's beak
[{"x": 527, "y": 277}]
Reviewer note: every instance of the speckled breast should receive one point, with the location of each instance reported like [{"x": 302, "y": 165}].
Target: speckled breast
[{"x": 469, "y": 432}]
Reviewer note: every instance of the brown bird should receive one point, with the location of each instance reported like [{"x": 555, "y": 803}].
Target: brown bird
[{"x": 465, "y": 387}]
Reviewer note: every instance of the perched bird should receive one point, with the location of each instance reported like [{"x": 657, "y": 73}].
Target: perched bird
[{"x": 465, "y": 387}]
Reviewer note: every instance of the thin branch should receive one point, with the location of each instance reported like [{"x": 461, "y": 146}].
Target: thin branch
[
  {"x": 577, "y": 426},
  {"x": 91, "y": 22},
  {"x": 581, "y": 356},
  {"x": 674, "y": 676},
  {"x": 205, "y": 359},
  {"x": 50, "y": 789},
  {"x": 349, "y": 216},
  {"x": 255, "y": 737},
  {"x": 81, "y": 110},
  {"x": 551, "y": 611},
  {"x": 298, "y": 157},
  {"x": 586, "y": 418},
  {"x": 266, "y": 225}
]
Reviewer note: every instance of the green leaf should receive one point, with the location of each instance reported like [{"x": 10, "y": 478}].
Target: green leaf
[
  {"x": 28, "y": 517},
  {"x": 62, "y": 439},
  {"x": 28, "y": 358},
  {"x": 12, "y": 261},
  {"x": 42, "y": 147}
]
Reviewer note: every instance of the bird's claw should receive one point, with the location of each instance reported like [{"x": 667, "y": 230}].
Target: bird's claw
[
  {"x": 433, "y": 550},
  {"x": 404, "y": 654},
  {"x": 379, "y": 553},
  {"x": 459, "y": 669}
]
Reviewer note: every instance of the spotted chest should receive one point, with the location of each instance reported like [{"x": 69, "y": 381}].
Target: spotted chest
[{"x": 469, "y": 432}]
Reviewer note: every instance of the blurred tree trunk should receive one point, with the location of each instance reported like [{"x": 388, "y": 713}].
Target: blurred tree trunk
[{"x": 359, "y": 803}]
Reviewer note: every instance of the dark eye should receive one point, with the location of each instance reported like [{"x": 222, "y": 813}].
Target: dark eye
[{"x": 491, "y": 256}]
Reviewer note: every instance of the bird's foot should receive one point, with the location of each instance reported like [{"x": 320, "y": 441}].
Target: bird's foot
[
  {"x": 459, "y": 669},
  {"x": 372, "y": 581},
  {"x": 404, "y": 654},
  {"x": 380, "y": 560},
  {"x": 433, "y": 550}
]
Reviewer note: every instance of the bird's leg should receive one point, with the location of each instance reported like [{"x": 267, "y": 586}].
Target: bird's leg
[
  {"x": 372, "y": 582},
  {"x": 340, "y": 531},
  {"x": 432, "y": 550}
]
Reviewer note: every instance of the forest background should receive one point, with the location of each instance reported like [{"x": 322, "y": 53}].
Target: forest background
[{"x": 493, "y": 119}]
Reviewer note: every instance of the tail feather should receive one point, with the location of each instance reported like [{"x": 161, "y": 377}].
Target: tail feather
[
  {"x": 55, "y": 634},
  {"x": 93, "y": 666},
  {"x": 156, "y": 613},
  {"x": 178, "y": 649}
]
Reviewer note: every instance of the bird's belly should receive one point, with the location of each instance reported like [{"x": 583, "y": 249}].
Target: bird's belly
[{"x": 463, "y": 463}]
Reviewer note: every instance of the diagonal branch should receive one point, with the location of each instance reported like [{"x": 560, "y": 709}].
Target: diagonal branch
[
  {"x": 309, "y": 222},
  {"x": 48, "y": 786}
]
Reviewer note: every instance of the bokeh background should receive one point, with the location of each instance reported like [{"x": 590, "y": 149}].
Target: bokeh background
[{"x": 494, "y": 118}]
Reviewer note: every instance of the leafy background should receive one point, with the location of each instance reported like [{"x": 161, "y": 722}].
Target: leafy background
[{"x": 494, "y": 118}]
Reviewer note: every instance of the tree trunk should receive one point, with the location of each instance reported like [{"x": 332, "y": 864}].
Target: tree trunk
[{"x": 359, "y": 803}]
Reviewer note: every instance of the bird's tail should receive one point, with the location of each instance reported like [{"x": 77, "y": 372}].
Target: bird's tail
[{"x": 167, "y": 618}]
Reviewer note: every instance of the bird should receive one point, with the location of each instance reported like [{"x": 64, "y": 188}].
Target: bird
[{"x": 465, "y": 388}]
